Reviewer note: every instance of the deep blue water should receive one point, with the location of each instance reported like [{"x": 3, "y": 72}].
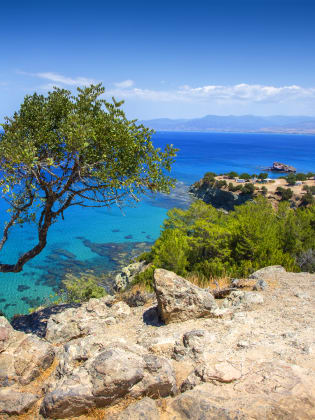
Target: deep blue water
[{"x": 92, "y": 238}]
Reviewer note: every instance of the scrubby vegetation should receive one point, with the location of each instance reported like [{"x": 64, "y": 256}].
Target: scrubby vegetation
[{"x": 208, "y": 243}]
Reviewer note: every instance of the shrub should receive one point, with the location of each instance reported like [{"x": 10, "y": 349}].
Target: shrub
[
  {"x": 264, "y": 190},
  {"x": 232, "y": 175},
  {"x": 262, "y": 176},
  {"x": 307, "y": 199},
  {"x": 248, "y": 189},
  {"x": 285, "y": 193},
  {"x": 81, "y": 288},
  {"x": 245, "y": 176},
  {"x": 220, "y": 183}
]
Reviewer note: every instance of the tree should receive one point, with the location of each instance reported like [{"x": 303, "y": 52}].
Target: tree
[
  {"x": 291, "y": 179},
  {"x": 248, "y": 189},
  {"x": 262, "y": 176},
  {"x": 245, "y": 176},
  {"x": 61, "y": 150}
]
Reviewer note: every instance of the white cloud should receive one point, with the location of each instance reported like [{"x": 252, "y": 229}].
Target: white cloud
[
  {"x": 125, "y": 84},
  {"x": 59, "y": 78},
  {"x": 240, "y": 93}
]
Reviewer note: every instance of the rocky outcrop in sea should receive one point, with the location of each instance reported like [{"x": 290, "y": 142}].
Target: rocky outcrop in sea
[{"x": 183, "y": 354}]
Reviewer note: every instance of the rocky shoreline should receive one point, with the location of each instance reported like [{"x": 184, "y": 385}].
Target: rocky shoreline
[{"x": 181, "y": 355}]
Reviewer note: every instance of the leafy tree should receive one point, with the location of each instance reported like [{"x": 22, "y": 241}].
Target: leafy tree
[
  {"x": 291, "y": 179},
  {"x": 245, "y": 176},
  {"x": 285, "y": 193},
  {"x": 301, "y": 177},
  {"x": 248, "y": 189},
  {"x": 209, "y": 178},
  {"x": 307, "y": 199},
  {"x": 262, "y": 176},
  {"x": 61, "y": 150},
  {"x": 264, "y": 190},
  {"x": 232, "y": 175}
]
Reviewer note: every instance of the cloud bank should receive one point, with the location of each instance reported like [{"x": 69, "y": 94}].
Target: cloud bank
[{"x": 242, "y": 93}]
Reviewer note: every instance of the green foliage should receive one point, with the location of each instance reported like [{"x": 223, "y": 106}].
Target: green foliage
[
  {"x": 285, "y": 193},
  {"x": 208, "y": 243},
  {"x": 232, "y": 175},
  {"x": 309, "y": 189},
  {"x": 209, "y": 178},
  {"x": 291, "y": 179},
  {"x": 264, "y": 190},
  {"x": 307, "y": 199},
  {"x": 220, "y": 183},
  {"x": 301, "y": 177},
  {"x": 234, "y": 188},
  {"x": 61, "y": 150},
  {"x": 248, "y": 189},
  {"x": 82, "y": 288},
  {"x": 262, "y": 176},
  {"x": 245, "y": 176}
]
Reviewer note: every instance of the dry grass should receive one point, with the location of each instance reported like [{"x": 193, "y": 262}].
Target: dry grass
[{"x": 211, "y": 283}]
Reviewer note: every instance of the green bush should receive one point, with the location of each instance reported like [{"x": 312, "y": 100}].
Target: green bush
[
  {"x": 81, "y": 288},
  {"x": 220, "y": 183},
  {"x": 285, "y": 193},
  {"x": 245, "y": 176},
  {"x": 248, "y": 189},
  {"x": 205, "y": 242}
]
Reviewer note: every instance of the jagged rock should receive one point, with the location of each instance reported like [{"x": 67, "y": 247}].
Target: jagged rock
[
  {"x": 180, "y": 300},
  {"x": 111, "y": 374},
  {"x": 88, "y": 319},
  {"x": 198, "y": 405},
  {"x": 23, "y": 356},
  {"x": 243, "y": 299},
  {"x": 127, "y": 274},
  {"x": 14, "y": 402},
  {"x": 266, "y": 272},
  {"x": 145, "y": 409}
]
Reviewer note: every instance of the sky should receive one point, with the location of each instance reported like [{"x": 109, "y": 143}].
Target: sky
[{"x": 174, "y": 59}]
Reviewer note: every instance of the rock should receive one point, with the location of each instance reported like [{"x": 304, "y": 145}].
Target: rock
[
  {"x": 146, "y": 409},
  {"x": 127, "y": 274},
  {"x": 180, "y": 300},
  {"x": 23, "y": 356},
  {"x": 221, "y": 372},
  {"x": 32, "y": 356},
  {"x": 14, "y": 403},
  {"x": 196, "y": 340},
  {"x": 266, "y": 272},
  {"x": 242, "y": 299},
  {"x": 111, "y": 374},
  {"x": 121, "y": 309},
  {"x": 198, "y": 405}
]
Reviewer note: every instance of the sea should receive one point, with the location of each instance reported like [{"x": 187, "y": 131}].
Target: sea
[{"x": 102, "y": 240}]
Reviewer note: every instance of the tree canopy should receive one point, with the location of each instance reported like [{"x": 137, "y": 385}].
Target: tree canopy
[{"x": 64, "y": 150}]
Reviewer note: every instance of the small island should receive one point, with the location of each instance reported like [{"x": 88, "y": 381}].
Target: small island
[{"x": 281, "y": 167}]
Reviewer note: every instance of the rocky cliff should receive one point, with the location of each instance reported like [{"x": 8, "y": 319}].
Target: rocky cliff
[
  {"x": 217, "y": 197},
  {"x": 183, "y": 355}
]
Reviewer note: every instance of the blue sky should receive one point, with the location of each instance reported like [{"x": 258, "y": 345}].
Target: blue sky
[{"x": 166, "y": 59}]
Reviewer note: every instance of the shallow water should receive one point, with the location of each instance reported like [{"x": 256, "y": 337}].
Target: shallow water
[{"x": 99, "y": 239}]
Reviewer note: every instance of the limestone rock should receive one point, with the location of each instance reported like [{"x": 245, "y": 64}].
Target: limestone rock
[
  {"x": 127, "y": 274},
  {"x": 271, "y": 271},
  {"x": 198, "y": 405},
  {"x": 145, "y": 409},
  {"x": 113, "y": 373},
  {"x": 23, "y": 357},
  {"x": 14, "y": 402},
  {"x": 180, "y": 300}
]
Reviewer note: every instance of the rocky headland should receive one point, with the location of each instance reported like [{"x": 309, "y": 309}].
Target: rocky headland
[{"x": 183, "y": 354}]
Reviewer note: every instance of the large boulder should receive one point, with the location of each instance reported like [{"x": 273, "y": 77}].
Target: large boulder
[
  {"x": 179, "y": 300},
  {"x": 23, "y": 357},
  {"x": 14, "y": 403},
  {"x": 115, "y": 372},
  {"x": 145, "y": 409},
  {"x": 267, "y": 272}
]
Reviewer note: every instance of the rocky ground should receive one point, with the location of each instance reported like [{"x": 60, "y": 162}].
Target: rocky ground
[{"x": 183, "y": 355}]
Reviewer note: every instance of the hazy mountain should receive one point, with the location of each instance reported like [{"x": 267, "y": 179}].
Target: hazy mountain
[{"x": 244, "y": 123}]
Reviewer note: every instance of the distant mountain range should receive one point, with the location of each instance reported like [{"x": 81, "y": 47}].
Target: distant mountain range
[{"x": 232, "y": 123}]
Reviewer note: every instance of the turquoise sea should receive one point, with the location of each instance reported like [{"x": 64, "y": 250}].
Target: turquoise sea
[{"x": 98, "y": 238}]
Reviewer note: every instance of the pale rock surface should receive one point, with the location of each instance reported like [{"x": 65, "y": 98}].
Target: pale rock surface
[
  {"x": 13, "y": 402},
  {"x": 257, "y": 362},
  {"x": 180, "y": 300},
  {"x": 146, "y": 409}
]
